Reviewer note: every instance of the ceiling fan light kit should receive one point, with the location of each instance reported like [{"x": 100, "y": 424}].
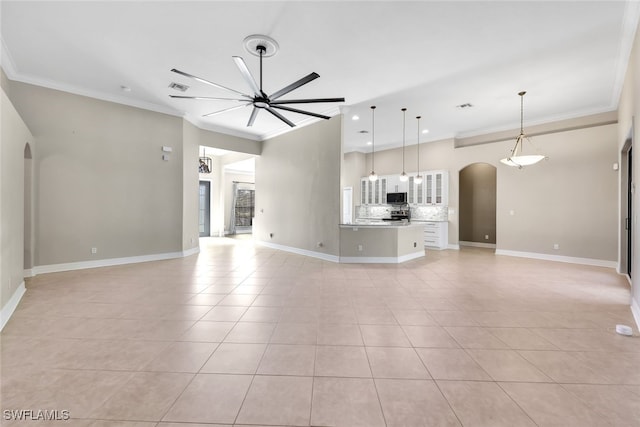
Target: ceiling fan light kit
[
  {"x": 516, "y": 158},
  {"x": 263, "y": 47}
]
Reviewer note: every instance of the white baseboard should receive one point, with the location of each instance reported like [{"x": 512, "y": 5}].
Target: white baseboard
[
  {"x": 477, "y": 244},
  {"x": 11, "y": 305},
  {"x": 28, "y": 272},
  {"x": 635, "y": 310},
  {"x": 453, "y": 246},
  {"x": 382, "y": 260},
  {"x": 81, "y": 265},
  {"x": 558, "y": 258},
  {"x": 305, "y": 252}
]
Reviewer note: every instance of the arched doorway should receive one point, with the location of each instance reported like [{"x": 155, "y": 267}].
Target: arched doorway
[
  {"x": 28, "y": 234},
  {"x": 477, "y": 205}
]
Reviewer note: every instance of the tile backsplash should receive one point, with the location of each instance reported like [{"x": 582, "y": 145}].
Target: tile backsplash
[{"x": 419, "y": 213}]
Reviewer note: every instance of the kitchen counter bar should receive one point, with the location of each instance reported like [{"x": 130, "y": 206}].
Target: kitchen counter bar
[{"x": 381, "y": 242}]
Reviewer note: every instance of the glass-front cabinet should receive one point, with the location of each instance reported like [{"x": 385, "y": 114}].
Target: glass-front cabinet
[
  {"x": 373, "y": 192},
  {"x": 436, "y": 191},
  {"x": 433, "y": 190}
]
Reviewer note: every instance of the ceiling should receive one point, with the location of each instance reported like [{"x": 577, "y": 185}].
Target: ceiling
[{"x": 427, "y": 56}]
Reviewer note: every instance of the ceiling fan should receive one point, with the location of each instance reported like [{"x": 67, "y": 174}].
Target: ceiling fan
[{"x": 261, "y": 46}]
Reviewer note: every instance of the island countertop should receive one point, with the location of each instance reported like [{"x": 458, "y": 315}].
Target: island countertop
[{"x": 381, "y": 224}]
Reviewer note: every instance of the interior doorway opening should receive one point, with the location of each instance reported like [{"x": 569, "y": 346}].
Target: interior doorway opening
[
  {"x": 477, "y": 205},
  {"x": 230, "y": 177}
]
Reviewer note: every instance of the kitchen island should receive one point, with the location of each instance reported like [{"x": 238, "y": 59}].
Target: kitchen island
[{"x": 381, "y": 242}]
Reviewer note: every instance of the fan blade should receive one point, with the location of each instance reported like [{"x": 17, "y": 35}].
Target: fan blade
[
  {"x": 280, "y": 116},
  {"x": 246, "y": 74},
  {"x": 254, "y": 114},
  {"x": 295, "y": 85},
  {"x": 225, "y": 110},
  {"x": 306, "y": 101},
  {"x": 295, "y": 110},
  {"x": 201, "y": 80},
  {"x": 207, "y": 97}
]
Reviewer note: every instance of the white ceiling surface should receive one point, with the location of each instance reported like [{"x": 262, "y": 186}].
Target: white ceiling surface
[{"x": 426, "y": 56}]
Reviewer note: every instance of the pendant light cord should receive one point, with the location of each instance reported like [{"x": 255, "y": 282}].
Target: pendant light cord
[
  {"x": 519, "y": 141},
  {"x": 521, "y": 112},
  {"x": 373, "y": 136},
  {"x": 418, "y": 117},
  {"x": 404, "y": 128}
]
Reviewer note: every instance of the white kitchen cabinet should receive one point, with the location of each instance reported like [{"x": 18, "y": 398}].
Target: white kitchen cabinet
[
  {"x": 415, "y": 192},
  {"x": 436, "y": 234},
  {"x": 436, "y": 188},
  {"x": 373, "y": 192},
  {"x": 394, "y": 185}
]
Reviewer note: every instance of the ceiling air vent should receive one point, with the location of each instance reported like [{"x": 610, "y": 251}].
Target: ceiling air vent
[
  {"x": 463, "y": 106},
  {"x": 178, "y": 86}
]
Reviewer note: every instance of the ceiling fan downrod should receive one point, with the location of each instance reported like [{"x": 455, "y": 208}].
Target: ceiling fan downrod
[{"x": 261, "y": 50}]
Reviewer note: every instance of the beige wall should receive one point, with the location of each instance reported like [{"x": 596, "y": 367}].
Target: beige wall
[
  {"x": 100, "y": 180},
  {"x": 570, "y": 199},
  {"x": 477, "y": 203},
  {"x": 14, "y": 135},
  {"x": 228, "y": 142},
  {"x": 353, "y": 167},
  {"x": 298, "y": 188},
  {"x": 190, "y": 189},
  {"x": 628, "y": 122}
]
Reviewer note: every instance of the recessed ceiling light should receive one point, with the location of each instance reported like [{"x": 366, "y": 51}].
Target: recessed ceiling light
[
  {"x": 355, "y": 117},
  {"x": 125, "y": 88},
  {"x": 465, "y": 105},
  {"x": 363, "y": 131},
  {"x": 425, "y": 130},
  {"x": 369, "y": 142}
]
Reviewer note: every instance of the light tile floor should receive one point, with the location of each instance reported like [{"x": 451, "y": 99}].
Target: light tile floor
[{"x": 245, "y": 335}]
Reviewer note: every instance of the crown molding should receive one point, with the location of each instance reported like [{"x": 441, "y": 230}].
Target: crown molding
[
  {"x": 6, "y": 61},
  {"x": 630, "y": 21}
]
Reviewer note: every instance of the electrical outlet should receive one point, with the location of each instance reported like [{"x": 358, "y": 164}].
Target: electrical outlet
[
  {"x": 94, "y": 250},
  {"x": 556, "y": 246},
  {"x": 360, "y": 248},
  {"x": 319, "y": 245},
  {"x": 486, "y": 237},
  {"x": 271, "y": 235}
]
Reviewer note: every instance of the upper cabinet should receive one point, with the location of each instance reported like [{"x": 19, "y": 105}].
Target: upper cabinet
[
  {"x": 374, "y": 192},
  {"x": 433, "y": 190},
  {"x": 436, "y": 188}
]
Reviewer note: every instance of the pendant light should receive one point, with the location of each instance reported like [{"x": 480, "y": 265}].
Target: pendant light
[
  {"x": 403, "y": 176},
  {"x": 418, "y": 178},
  {"x": 516, "y": 158},
  {"x": 372, "y": 175}
]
